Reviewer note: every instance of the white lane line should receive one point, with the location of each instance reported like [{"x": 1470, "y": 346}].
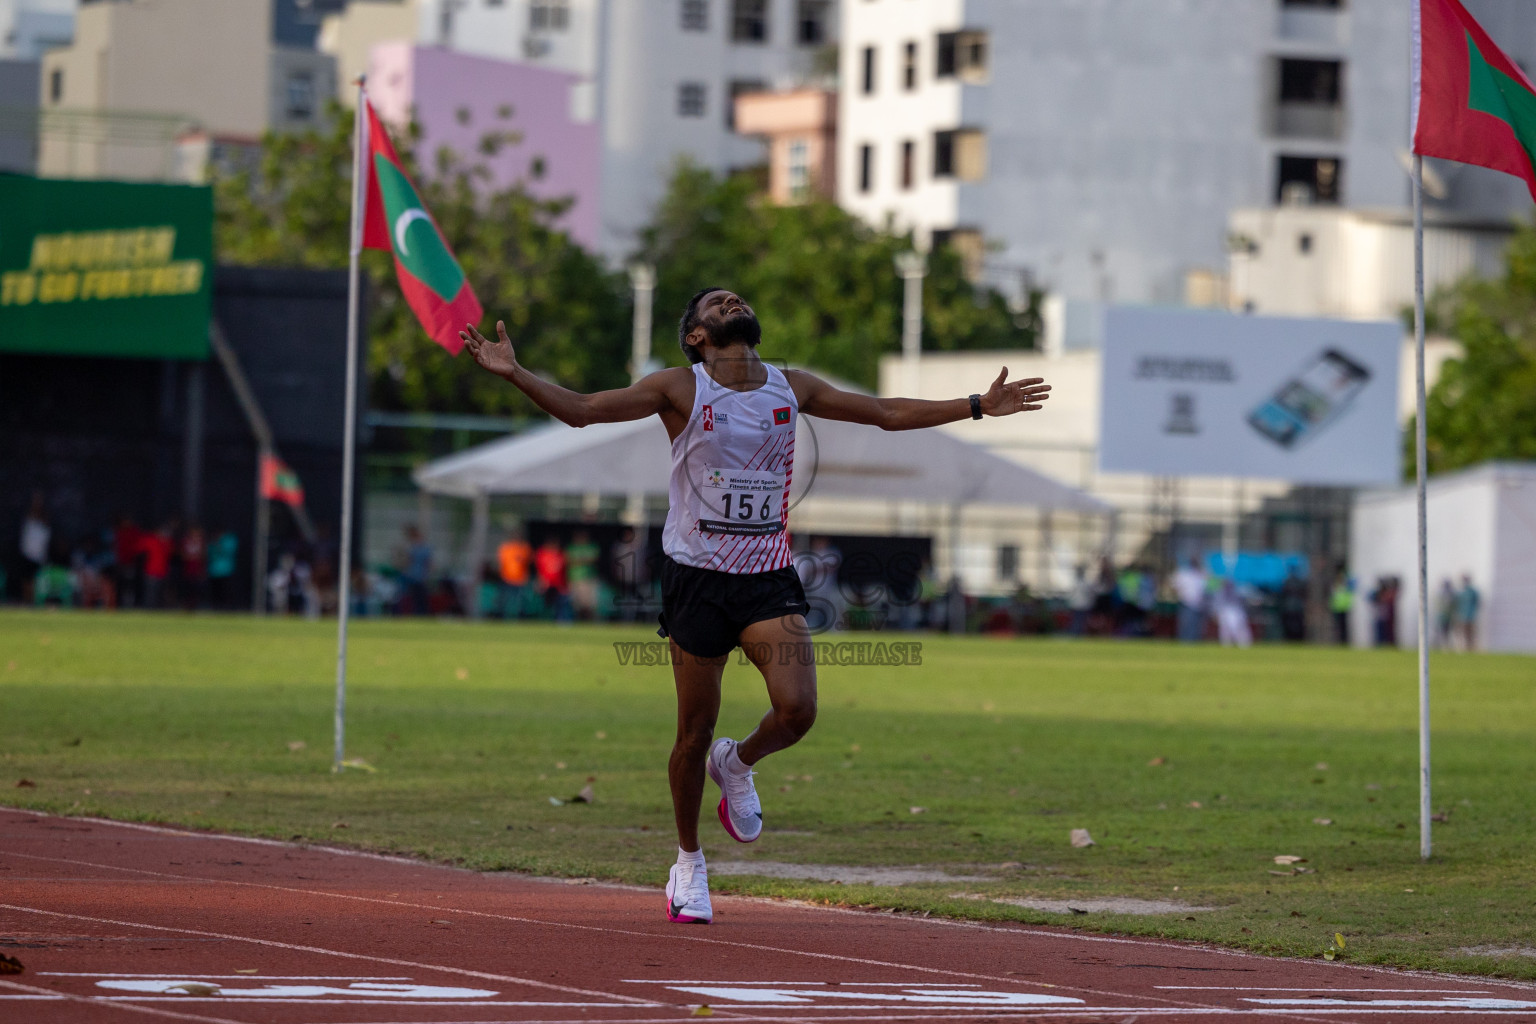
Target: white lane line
[
  {"x": 90, "y": 1001},
  {"x": 418, "y": 965},
  {"x": 835, "y": 984},
  {"x": 1323, "y": 988},
  {"x": 652, "y": 936},
  {"x": 231, "y": 977}
]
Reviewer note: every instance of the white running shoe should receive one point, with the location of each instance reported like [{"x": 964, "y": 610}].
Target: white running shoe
[
  {"x": 740, "y": 811},
  {"x": 688, "y": 895}
]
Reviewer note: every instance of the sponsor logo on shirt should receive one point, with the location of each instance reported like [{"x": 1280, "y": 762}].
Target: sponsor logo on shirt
[{"x": 708, "y": 417}]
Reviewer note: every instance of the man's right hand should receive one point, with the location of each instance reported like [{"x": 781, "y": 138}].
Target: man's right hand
[{"x": 496, "y": 356}]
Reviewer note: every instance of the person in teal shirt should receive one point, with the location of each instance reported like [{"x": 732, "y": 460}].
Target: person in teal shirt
[{"x": 221, "y": 567}]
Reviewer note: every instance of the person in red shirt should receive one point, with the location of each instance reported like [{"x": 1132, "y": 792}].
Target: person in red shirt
[
  {"x": 193, "y": 550},
  {"x": 127, "y": 549},
  {"x": 157, "y": 548},
  {"x": 549, "y": 564}
]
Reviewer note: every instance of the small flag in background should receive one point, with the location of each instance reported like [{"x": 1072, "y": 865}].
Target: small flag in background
[
  {"x": 1472, "y": 103},
  {"x": 279, "y": 483},
  {"x": 395, "y": 219}
]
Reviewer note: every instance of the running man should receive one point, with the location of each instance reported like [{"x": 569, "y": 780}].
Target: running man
[{"x": 728, "y": 579}]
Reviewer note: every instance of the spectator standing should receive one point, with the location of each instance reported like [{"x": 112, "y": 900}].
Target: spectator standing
[
  {"x": 1445, "y": 615},
  {"x": 221, "y": 567},
  {"x": 514, "y": 562},
  {"x": 1232, "y": 617},
  {"x": 1468, "y": 604},
  {"x": 581, "y": 570},
  {"x": 33, "y": 544},
  {"x": 1341, "y": 600},
  {"x": 549, "y": 566},
  {"x": 818, "y": 570},
  {"x": 415, "y": 571},
  {"x": 1189, "y": 587},
  {"x": 128, "y": 546},
  {"x": 1384, "y": 611},
  {"x": 1080, "y": 600},
  {"x": 158, "y": 548},
  {"x": 194, "y": 568},
  {"x": 1293, "y": 606}
]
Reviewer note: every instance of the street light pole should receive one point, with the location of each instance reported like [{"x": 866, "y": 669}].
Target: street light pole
[{"x": 913, "y": 267}]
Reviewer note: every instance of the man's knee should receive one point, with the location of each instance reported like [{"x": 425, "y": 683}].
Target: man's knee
[
  {"x": 694, "y": 738},
  {"x": 798, "y": 716}
]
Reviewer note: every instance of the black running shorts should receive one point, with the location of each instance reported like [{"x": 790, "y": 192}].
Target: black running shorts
[{"x": 704, "y": 611}]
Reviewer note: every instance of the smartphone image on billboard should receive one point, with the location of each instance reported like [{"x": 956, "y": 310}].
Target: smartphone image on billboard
[{"x": 1312, "y": 399}]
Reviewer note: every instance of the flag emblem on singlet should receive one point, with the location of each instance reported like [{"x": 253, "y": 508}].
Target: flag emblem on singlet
[
  {"x": 707, "y": 414},
  {"x": 781, "y": 416}
]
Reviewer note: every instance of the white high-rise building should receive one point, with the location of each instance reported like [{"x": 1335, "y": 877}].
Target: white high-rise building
[
  {"x": 660, "y": 74},
  {"x": 1097, "y": 147}
]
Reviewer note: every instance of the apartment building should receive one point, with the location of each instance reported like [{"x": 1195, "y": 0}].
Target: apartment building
[
  {"x": 657, "y": 76},
  {"x": 1097, "y": 147},
  {"x": 142, "y": 74}
]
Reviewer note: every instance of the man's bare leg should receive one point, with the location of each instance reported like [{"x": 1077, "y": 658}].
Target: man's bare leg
[
  {"x": 698, "y": 706},
  {"x": 782, "y": 651}
]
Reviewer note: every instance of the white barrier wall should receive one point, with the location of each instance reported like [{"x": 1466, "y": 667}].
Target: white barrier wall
[{"x": 1482, "y": 522}]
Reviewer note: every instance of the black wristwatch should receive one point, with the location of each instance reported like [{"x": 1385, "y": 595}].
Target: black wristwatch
[{"x": 975, "y": 407}]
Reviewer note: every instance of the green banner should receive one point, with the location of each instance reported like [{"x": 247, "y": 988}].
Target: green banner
[{"x": 105, "y": 268}]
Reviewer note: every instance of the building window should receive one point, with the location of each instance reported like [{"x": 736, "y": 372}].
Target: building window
[
  {"x": 798, "y": 169},
  {"x": 1311, "y": 81},
  {"x": 549, "y": 15},
  {"x": 749, "y": 21},
  {"x": 741, "y": 87},
  {"x": 695, "y": 15},
  {"x": 909, "y": 66},
  {"x": 869, "y": 71},
  {"x": 1330, "y": 4},
  {"x": 967, "y": 243},
  {"x": 1309, "y": 179},
  {"x": 811, "y": 22},
  {"x": 866, "y": 167},
  {"x": 961, "y": 55},
  {"x": 300, "y": 96},
  {"x": 690, "y": 99},
  {"x": 961, "y": 153},
  {"x": 1304, "y": 244},
  {"x": 56, "y": 85},
  {"x": 1007, "y": 563},
  {"x": 908, "y": 164}
]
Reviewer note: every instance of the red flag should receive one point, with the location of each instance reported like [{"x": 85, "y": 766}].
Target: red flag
[
  {"x": 394, "y": 218},
  {"x": 1471, "y": 103},
  {"x": 279, "y": 483}
]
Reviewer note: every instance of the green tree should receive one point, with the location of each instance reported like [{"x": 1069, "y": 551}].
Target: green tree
[
  {"x": 1484, "y": 404},
  {"x": 823, "y": 282},
  {"x": 568, "y": 313}
]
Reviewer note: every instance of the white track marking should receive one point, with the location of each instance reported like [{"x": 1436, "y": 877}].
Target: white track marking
[
  {"x": 231, "y": 977},
  {"x": 90, "y": 1001},
  {"x": 1321, "y": 988},
  {"x": 172, "y": 930}
]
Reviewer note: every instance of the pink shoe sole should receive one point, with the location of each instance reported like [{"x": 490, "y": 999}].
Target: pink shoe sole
[{"x": 725, "y": 819}]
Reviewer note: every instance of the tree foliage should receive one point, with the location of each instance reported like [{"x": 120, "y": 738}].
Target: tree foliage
[
  {"x": 1484, "y": 404},
  {"x": 568, "y": 313},
  {"x": 822, "y": 282}
]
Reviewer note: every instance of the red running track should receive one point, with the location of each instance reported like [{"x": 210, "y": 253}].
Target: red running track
[{"x": 123, "y": 923}]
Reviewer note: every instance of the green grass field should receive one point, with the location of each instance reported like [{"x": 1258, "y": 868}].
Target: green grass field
[{"x": 225, "y": 723}]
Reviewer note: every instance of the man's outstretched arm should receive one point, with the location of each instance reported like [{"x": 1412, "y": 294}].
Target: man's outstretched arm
[
  {"x": 646, "y": 397},
  {"x": 1003, "y": 398}
]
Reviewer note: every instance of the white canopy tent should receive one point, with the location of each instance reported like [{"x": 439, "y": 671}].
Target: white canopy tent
[{"x": 834, "y": 460}]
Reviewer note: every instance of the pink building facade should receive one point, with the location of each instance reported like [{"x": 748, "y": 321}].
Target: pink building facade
[{"x": 458, "y": 98}]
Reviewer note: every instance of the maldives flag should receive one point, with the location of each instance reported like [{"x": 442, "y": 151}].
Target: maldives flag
[
  {"x": 1471, "y": 103},
  {"x": 279, "y": 483},
  {"x": 394, "y": 218}
]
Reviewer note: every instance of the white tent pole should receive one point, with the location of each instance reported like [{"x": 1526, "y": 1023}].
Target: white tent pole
[
  {"x": 344, "y": 589},
  {"x": 1420, "y": 459}
]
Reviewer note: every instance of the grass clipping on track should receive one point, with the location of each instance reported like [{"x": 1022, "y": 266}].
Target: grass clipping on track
[{"x": 532, "y": 748}]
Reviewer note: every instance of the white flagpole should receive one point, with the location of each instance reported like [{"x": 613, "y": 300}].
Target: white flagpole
[
  {"x": 1421, "y": 458},
  {"x": 360, "y": 148}
]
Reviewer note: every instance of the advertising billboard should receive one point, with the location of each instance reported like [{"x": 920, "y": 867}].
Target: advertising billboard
[
  {"x": 105, "y": 268},
  {"x": 1196, "y": 393}
]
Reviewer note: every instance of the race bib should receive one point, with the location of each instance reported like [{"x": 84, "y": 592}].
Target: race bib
[{"x": 741, "y": 501}]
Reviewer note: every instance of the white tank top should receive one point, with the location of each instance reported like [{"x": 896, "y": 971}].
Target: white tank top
[{"x": 731, "y": 472}]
